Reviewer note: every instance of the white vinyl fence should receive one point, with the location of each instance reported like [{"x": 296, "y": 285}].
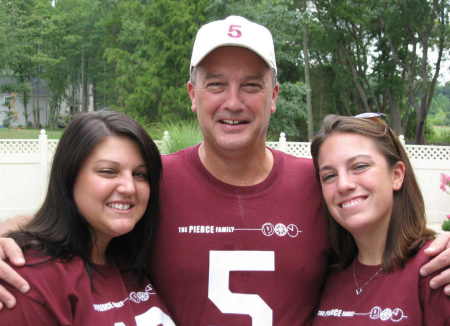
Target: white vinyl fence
[{"x": 25, "y": 164}]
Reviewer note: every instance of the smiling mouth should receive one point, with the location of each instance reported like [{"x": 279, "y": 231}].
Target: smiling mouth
[
  {"x": 352, "y": 202},
  {"x": 121, "y": 207},
  {"x": 233, "y": 122}
]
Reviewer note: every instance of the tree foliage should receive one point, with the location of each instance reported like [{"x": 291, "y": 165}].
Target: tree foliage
[
  {"x": 150, "y": 54},
  {"x": 133, "y": 55},
  {"x": 291, "y": 114},
  {"x": 379, "y": 52}
]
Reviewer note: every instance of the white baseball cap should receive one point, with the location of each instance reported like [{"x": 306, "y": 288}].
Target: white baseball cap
[{"x": 234, "y": 31}]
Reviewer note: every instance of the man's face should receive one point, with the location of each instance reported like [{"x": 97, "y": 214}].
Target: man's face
[{"x": 233, "y": 97}]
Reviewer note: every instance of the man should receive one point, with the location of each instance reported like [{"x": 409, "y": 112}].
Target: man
[
  {"x": 227, "y": 251},
  {"x": 241, "y": 239}
]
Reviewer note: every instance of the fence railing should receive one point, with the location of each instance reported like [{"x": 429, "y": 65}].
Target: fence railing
[{"x": 25, "y": 165}]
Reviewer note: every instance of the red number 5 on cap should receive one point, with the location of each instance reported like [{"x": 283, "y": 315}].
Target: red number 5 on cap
[{"x": 234, "y": 31}]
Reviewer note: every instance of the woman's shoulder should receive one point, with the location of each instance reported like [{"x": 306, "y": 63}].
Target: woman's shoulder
[
  {"x": 50, "y": 277},
  {"x": 42, "y": 265},
  {"x": 420, "y": 257}
]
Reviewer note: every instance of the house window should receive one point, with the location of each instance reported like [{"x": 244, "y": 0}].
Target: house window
[{"x": 8, "y": 100}]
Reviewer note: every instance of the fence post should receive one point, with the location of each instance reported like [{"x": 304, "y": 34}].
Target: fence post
[
  {"x": 282, "y": 144},
  {"x": 165, "y": 142},
  {"x": 43, "y": 162}
]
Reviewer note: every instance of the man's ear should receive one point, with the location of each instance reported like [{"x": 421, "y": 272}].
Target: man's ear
[
  {"x": 191, "y": 91},
  {"x": 275, "y": 92}
]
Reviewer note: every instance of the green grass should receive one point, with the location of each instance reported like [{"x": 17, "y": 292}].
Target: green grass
[
  {"x": 155, "y": 130},
  {"x": 182, "y": 134},
  {"x": 440, "y": 135},
  {"x": 18, "y": 133}
]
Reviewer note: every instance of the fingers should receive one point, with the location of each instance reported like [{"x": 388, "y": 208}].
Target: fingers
[
  {"x": 441, "y": 279},
  {"x": 10, "y": 250},
  {"x": 7, "y": 298},
  {"x": 441, "y": 242},
  {"x": 437, "y": 263},
  {"x": 10, "y": 276},
  {"x": 447, "y": 290}
]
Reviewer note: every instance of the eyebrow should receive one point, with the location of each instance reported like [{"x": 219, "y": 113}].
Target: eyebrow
[
  {"x": 350, "y": 160},
  {"x": 117, "y": 163},
  {"x": 251, "y": 77},
  {"x": 210, "y": 75}
]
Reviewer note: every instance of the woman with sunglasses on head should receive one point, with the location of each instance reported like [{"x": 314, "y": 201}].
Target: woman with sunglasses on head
[
  {"x": 87, "y": 247},
  {"x": 377, "y": 229}
]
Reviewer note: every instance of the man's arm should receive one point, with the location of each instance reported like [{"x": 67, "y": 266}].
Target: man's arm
[
  {"x": 440, "y": 250},
  {"x": 13, "y": 224},
  {"x": 10, "y": 252}
]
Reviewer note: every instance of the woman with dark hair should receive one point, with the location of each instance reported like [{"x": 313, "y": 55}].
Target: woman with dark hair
[
  {"x": 87, "y": 247},
  {"x": 377, "y": 228}
]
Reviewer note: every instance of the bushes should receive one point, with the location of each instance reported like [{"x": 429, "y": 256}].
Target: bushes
[
  {"x": 440, "y": 136},
  {"x": 290, "y": 116},
  {"x": 181, "y": 135}
]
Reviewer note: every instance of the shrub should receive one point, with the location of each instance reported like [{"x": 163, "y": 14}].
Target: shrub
[
  {"x": 291, "y": 115},
  {"x": 440, "y": 136},
  {"x": 182, "y": 134}
]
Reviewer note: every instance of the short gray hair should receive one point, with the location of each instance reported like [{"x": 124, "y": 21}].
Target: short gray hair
[{"x": 193, "y": 75}]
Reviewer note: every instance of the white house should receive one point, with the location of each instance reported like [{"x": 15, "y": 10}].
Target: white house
[{"x": 38, "y": 111}]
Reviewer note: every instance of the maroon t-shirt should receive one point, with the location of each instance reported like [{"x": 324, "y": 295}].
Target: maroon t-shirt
[
  {"x": 400, "y": 298},
  {"x": 62, "y": 293},
  {"x": 228, "y": 255}
]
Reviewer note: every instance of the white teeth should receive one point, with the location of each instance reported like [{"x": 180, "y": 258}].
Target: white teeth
[
  {"x": 231, "y": 122},
  {"x": 351, "y": 203},
  {"x": 120, "y": 206}
]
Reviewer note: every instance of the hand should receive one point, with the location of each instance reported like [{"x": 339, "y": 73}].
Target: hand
[
  {"x": 11, "y": 251},
  {"x": 440, "y": 248}
]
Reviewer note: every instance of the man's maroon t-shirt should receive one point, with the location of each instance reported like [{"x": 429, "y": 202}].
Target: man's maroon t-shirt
[{"x": 229, "y": 255}]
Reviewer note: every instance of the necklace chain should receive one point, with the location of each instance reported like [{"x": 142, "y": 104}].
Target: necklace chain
[{"x": 359, "y": 289}]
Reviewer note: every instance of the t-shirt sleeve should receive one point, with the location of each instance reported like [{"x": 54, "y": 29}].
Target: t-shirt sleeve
[
  {"x": 435, "y": 304},
  {"x": 27, "y": 312}
]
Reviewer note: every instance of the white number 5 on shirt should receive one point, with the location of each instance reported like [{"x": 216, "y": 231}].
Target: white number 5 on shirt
[{"x": 220, "y": 265}]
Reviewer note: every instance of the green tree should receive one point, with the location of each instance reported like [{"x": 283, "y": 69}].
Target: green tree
[
  {"x": 151, "y": 55},
  {"x": 18, "y": 46},
  {"x": 74, "y": 41},
  {"x": 378, "y": 52},
  {"x": 291, "y": 115},
  {"x": 57, "y": 47},
  {"x": 440, "y": 106}
]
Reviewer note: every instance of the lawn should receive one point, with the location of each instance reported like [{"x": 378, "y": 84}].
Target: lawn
[
  {"x": 155, "y": 130},
  {"x": 18, "y": 133},
  {"x": 440, "y": 136},
  {"x": 27, "y": 133}
]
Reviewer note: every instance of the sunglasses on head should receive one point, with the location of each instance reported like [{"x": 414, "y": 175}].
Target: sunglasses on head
[
  {"x": 374, "y": 116},
  {"x": 381, "y": 119}
]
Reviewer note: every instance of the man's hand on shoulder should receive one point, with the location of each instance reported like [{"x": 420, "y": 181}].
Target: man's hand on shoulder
[
  {"x": 10, "y": 253},
  {"x": 440, "y": 250}
]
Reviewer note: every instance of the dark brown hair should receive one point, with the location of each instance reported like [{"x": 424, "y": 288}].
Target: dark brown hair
[
  {"x": 407, "y": 229},
  {"x": 58, "y": 230}
]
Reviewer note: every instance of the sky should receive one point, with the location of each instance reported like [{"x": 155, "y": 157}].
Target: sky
[{"x": 444, "y": 73}]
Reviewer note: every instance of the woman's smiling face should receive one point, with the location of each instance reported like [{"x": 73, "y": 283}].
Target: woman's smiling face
[
  {"x": 357, "y": 183},
  {"x": 112, "y": 190}
]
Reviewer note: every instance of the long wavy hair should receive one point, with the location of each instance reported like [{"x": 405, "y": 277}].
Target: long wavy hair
[
  {"x": 59, "y": 230},
  {"x": 407, "y": 229}
]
